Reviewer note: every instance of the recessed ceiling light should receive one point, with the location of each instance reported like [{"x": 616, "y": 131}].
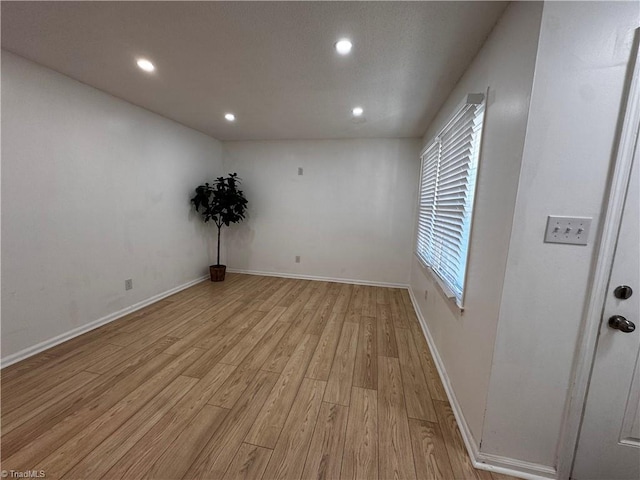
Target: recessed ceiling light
[
  {"x": 145, "y": 65},
  {"x": 357, "y": 111},
  {"x": 343, "y": 46},
  {"x": 230, "y": 117}
]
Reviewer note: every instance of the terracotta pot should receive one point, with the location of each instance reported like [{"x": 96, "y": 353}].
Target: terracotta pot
[{"x": 217, "y": 272}]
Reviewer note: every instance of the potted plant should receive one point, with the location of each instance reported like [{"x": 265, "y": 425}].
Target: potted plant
[{"x": 223, "y": 203}]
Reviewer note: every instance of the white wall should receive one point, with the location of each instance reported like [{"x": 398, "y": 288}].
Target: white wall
[
  {"x": 465, "y": 342},
  {"x": 583, "y": 55},
  {"x": 94, "y": 191},
  {"x": 350, "y": 216}
]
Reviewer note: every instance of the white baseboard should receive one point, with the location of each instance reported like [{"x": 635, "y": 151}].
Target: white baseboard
[
  {"x": 513, "y": 467},
  {"x": 314, "y": 277},
  {"x": 52, "y": 342},
  {"x": 483, "y": 461}
]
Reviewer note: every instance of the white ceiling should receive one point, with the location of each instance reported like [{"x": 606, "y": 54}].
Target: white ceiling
[{"x": 273, "y": 64}]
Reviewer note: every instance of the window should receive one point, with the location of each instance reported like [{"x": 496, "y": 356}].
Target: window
[{"x": 447, "y": 187}]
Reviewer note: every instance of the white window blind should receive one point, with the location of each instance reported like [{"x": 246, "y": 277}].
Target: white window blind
[{"x": 447, "y": 188}]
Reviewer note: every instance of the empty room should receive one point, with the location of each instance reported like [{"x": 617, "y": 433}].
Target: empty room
[{"x": 320, "y": 240}]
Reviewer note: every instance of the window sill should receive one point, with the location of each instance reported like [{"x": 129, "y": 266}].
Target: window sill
[{"x": 449, "y": 299}]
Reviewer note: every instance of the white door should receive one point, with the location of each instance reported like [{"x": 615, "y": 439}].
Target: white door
[{"x": 609, "y": 443}]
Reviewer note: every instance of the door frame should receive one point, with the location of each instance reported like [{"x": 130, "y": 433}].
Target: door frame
[{"x": 627, "y": 147}]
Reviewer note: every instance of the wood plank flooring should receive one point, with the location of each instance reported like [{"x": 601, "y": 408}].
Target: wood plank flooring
[{"x": 251, "y": 378}]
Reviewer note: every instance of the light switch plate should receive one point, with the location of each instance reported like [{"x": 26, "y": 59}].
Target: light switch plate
[{"x": 571, "y": 230}]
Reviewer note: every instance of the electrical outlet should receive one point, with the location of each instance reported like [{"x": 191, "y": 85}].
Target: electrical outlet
[
  {"x": 572, "y": 230},
  {"x": 300, "y": 171},
  {"x": 297, "y": 258},
  {"x": 128, "y": 284}
]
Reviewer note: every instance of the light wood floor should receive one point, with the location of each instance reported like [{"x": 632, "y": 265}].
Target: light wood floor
[{"x": 256, "y": 377}]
